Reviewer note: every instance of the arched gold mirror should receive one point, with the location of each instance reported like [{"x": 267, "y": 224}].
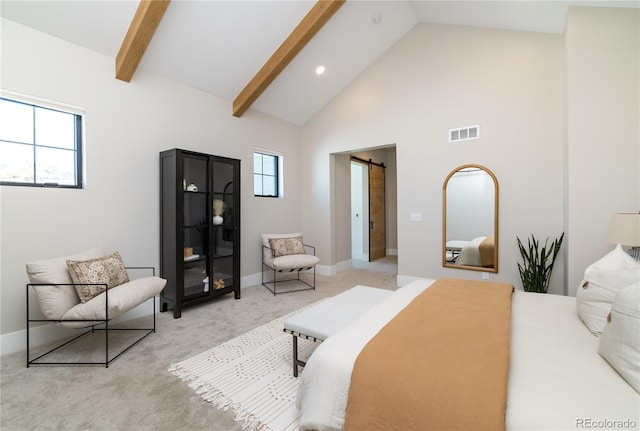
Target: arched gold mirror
[{"x": 470, "y": 219}]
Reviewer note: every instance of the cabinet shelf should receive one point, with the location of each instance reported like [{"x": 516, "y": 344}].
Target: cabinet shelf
[
  {"x": 196, "y": 226},
  {"x": 186, "y": 227}
]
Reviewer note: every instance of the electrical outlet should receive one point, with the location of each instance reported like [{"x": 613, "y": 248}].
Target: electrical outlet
[
  {"x": 485, "y": 275},
  {"x": 415, "y": 217}
]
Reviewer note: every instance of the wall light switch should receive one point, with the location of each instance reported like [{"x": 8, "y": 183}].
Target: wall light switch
[{"x": 415, "y": 217}]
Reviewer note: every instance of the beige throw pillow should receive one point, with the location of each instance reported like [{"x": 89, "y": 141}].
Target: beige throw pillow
[
  {"x": 109, "y": 270},
  {"x": 286, "y": 246}
]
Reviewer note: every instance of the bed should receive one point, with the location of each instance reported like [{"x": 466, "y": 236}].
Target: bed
[{"x": 556, "y": 378}]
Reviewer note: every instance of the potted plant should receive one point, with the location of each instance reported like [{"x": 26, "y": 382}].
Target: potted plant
[{"x": 535, "y": 271}]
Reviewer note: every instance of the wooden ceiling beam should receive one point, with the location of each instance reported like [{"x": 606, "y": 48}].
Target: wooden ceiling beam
[
  {"x": 315, "y": 19},
  {"x": 141, "y": 30}
]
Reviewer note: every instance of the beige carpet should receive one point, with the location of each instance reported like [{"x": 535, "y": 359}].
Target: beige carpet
[{"x": 136, "y": 391}]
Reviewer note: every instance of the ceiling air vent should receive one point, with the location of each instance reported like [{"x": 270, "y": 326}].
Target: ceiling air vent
[{"x": 464, "y": 133}]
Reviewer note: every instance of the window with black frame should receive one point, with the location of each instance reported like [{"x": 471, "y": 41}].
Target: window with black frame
[
  {"x": 266, "y": 171},
  {"x": 40, "y": 146}
]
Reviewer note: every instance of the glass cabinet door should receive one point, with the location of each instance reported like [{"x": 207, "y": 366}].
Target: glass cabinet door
[
  {"x": 224, "y": 223},
  {"x": 195, "y": 225}
]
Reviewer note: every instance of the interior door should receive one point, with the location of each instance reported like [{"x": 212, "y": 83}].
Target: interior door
[{"x": 377, "y": 222}]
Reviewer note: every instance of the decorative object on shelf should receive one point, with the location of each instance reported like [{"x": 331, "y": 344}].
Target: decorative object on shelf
[
  {"x": 188, "y": 251},
  {"x": 192, "y": 188},
  {"x": 192, "y": 257},
  {"x": 218, "y": 210},
  {"x": 625, "y": 230},
  {"x": 219, "y": 284},
  {"x": 206, "y": 284},
  {"x": 535, "y": 272}
]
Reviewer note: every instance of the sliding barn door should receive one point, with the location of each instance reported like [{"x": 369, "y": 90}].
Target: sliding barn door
[{"x": 377, "y": 222}]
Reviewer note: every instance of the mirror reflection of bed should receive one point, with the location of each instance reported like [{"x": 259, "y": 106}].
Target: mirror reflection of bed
[
  {"x": 477, "y": 252},
  {"x": 470, "y": 219}
]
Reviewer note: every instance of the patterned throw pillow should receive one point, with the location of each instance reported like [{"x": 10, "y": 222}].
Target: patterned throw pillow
[
  {"x": 286, "y": 246},
  {"x": 109, "y": 270}
]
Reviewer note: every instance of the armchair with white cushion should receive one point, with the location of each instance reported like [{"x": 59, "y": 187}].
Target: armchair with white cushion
[
  {"x": 287, "y": 253},
  {"x": 87, "y": 291}
]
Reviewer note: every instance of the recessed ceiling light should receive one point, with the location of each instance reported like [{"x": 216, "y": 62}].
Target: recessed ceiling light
[{"x": 320, "y": 70}]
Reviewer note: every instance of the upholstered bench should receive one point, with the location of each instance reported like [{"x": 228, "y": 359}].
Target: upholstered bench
[{"x": 331, "y": 315}]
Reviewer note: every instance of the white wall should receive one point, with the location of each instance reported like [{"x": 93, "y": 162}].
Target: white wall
[
  {"x": 127, "y": 125},
  {"x": 603, "y": 129},
  {"x": 441, "y": 77}
]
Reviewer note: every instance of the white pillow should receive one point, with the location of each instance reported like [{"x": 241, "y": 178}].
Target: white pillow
[
  {"x": 602, "y": 280},
  {"x": 56, "y": 300},
  {"x": 620, "y": 339}
]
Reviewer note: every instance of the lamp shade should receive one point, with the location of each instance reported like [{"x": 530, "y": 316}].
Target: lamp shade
[{"x": 625, "y": 229}]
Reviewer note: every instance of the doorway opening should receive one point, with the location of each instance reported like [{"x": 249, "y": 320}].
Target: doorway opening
[
  {"x": 373, "y": 206},
  {"x": 359, "y": 211}
]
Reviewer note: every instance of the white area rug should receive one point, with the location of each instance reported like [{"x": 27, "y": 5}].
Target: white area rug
[{"x": 252, "y": 375}]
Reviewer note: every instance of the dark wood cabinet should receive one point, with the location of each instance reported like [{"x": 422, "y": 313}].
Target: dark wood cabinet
[{"x": 199, "y": 228}]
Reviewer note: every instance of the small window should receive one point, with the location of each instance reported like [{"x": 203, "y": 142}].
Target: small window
[
  {"x": 39, "y": 146},
  {"x": 266, "y": 174}
]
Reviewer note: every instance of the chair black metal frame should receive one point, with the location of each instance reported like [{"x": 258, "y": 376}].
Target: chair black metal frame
[
  {"x": 292, "y": 270},
  {"x": 90, "y": 323}
]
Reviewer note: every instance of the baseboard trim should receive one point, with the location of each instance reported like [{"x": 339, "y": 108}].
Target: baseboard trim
[{"x": 401, "y": 280}]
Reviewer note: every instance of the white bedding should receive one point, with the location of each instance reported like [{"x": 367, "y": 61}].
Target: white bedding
[
  {"x": 470, "y": 253},
  {"x": 557, "y": 379}
]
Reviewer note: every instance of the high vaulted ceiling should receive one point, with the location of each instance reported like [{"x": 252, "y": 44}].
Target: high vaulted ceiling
[{"x": 218, "y": 46}]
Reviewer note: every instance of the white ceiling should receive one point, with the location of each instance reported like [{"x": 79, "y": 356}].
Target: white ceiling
[{"x": 218, "y": 46}]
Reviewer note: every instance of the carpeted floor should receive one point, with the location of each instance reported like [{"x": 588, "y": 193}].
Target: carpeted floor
[{"x": 136, "y": 391}]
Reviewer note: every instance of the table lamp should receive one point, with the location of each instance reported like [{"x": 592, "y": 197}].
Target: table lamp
[{"x": 625, "y": 230}]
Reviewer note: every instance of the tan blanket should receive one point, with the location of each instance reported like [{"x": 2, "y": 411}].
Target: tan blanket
[
  {"x": 486, "y": 249},
  {"x": 441, "y": 364}
]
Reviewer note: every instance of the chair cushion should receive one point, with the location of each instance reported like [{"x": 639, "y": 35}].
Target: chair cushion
[
  {"x": 56, "y": 300},
  {"x": 294, "y": 261},
  {"x": 109, "y": 270},
  {"x": 122, "y": 298}
]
